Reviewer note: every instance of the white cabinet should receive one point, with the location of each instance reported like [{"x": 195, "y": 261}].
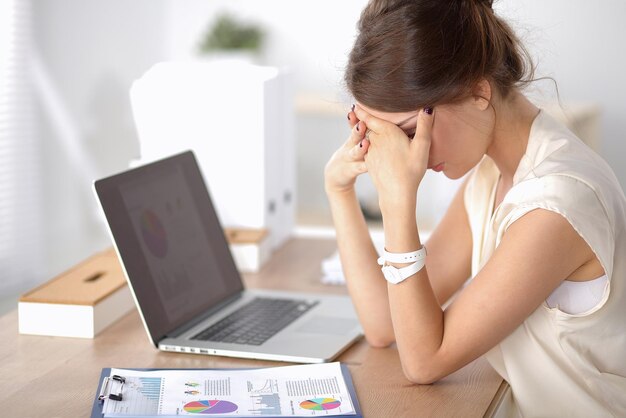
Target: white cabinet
[{"x": 238, "y": 118}]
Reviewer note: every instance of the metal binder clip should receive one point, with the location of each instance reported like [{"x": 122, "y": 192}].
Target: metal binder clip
[{"x": 107, "y": 388}]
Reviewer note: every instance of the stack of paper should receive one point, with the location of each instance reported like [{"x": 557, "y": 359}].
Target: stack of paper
[{"x": 332, "y": 272}]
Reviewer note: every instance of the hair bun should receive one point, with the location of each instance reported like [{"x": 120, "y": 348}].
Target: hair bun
[
  {"x": 414, "y": 53},
  {"x": 477, "y": 3}
]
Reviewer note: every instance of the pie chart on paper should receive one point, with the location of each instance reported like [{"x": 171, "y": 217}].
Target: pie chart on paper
[
  {"x": 153, "y": 233},
  {"x": 320, "y": 404},
  {"x": 210, "y": 407}
]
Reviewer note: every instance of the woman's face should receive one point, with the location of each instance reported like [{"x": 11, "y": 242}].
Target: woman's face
[{"x": 460, "y": 136}]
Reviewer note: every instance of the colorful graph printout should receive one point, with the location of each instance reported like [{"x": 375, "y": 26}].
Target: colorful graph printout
[
  {"x": 312, "y": 390},
  {"x": 320, "y": 404},
  {"x": 210, "y": 407},
  {"x": 153, "y": 233}
]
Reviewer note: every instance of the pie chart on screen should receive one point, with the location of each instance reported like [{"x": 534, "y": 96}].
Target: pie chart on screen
[{"x": 153, "y": 233}]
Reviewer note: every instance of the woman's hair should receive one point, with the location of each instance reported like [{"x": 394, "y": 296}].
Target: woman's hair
[{"x": 415, "y": 53}]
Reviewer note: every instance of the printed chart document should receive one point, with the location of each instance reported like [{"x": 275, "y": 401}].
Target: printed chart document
[{"x": 304, "y": 390}]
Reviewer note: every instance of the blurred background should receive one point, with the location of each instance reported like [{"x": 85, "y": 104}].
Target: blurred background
[{"x": 66, "y": 68}]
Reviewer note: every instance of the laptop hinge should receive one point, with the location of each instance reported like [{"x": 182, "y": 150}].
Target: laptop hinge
[{"x": 199, "y": 318}]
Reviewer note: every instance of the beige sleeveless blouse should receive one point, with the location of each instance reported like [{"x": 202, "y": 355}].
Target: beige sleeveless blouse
[{"x": 558, "y": 364}]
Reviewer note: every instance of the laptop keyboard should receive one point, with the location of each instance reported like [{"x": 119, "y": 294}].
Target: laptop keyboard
[{"x": 256, "y": 321}]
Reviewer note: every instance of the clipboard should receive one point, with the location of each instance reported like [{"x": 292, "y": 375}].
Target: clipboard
[{"x": 96, "y": 409}]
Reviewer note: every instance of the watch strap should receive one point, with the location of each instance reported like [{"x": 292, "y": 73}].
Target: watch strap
[{"x": 405, "y": 257}]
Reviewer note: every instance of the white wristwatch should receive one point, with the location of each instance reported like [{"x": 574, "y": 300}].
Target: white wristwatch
[{"x": 396, "y": 275}]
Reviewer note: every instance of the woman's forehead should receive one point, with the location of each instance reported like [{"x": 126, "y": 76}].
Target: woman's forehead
[{"x": 400, "y": 119}]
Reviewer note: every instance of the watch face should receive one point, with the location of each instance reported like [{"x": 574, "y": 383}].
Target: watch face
[{"x": 392, "y": 274}]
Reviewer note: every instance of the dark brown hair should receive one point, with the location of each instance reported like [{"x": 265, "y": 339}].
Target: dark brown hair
[{"x": 415, "y": 53}]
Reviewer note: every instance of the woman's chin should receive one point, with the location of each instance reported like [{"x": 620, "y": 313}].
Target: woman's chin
[{"x": 452, "y": 174}]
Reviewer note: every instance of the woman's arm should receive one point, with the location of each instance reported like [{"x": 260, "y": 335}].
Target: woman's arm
[
  {"x": 448, "y": 262},
  {"x": 365, "y": 283},
  {"x": 449, "y": 249},
  {"x": 536, "y": 254}
]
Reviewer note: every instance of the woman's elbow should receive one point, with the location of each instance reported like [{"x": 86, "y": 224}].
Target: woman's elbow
[
  {"x": 379, "y": 341},
  {"x": 421, "y": 374}
]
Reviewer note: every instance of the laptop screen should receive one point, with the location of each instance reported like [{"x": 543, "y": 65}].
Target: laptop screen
[{"x": 170, "y": 240}]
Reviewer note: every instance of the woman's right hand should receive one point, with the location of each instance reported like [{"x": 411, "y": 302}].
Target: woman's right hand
[{"x": 348, "y": 161}]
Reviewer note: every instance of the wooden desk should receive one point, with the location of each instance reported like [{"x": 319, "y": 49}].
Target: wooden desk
[{"x": 57, "y": 377}]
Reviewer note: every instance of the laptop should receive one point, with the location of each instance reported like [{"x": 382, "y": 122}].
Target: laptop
[{"x": 183, "y": 278}]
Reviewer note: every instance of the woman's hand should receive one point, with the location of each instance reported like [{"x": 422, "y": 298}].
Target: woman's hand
[
  {"x": 396, "y": 163},
  {"x": 347, "y": 162}
]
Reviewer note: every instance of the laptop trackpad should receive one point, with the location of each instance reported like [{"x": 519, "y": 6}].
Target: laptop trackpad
[{"x": 327, "y": 325}]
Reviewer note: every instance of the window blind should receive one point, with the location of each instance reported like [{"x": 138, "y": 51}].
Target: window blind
[{"x": 20, "y": 194}]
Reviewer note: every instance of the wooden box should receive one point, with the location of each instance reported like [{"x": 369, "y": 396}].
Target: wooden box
[{"x": 78, "y": 303}]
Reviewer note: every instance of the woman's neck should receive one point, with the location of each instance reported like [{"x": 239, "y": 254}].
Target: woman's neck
[{"x": 515, "y": 116}]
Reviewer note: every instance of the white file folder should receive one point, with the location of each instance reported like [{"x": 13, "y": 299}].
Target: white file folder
[{"x": 239, "y": 119}]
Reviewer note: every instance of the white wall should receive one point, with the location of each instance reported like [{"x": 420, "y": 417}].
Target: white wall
[
  {"x": 90, "y": 52},
  {"x": 581, "y": 44},
  {"x": 312, "y": 37}
]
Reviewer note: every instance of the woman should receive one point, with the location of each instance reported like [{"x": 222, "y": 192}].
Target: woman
[{"x": 539, "y": 224}]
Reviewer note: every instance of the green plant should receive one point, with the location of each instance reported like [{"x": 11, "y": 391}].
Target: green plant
[{"x": 228, "y": 33}]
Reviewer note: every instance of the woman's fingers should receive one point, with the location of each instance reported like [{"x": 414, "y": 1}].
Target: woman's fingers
[
  {"x": 373, "y": 123},
  {"x": 357, "y": 134},
  {"x": 352, "y": 119},
  {"x": 348, "y": 162},
  {"x": 423, "y": 131},
  {"x": 357, "y": 151},
  {"x": 358, "y": 167}
]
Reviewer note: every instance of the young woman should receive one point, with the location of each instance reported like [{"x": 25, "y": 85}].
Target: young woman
[{"x": 539, "y": 224}]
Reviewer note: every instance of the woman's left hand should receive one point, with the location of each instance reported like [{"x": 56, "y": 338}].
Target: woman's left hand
[{"x": 396, "y": 163}]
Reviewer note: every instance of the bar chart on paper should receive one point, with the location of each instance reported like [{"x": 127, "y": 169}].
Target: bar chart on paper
[
  {"x": 266, "y": 404},
  {"x": 264, "y": 397}
]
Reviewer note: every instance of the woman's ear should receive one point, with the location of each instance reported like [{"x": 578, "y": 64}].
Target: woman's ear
[{"x": 482, "y": 94}]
